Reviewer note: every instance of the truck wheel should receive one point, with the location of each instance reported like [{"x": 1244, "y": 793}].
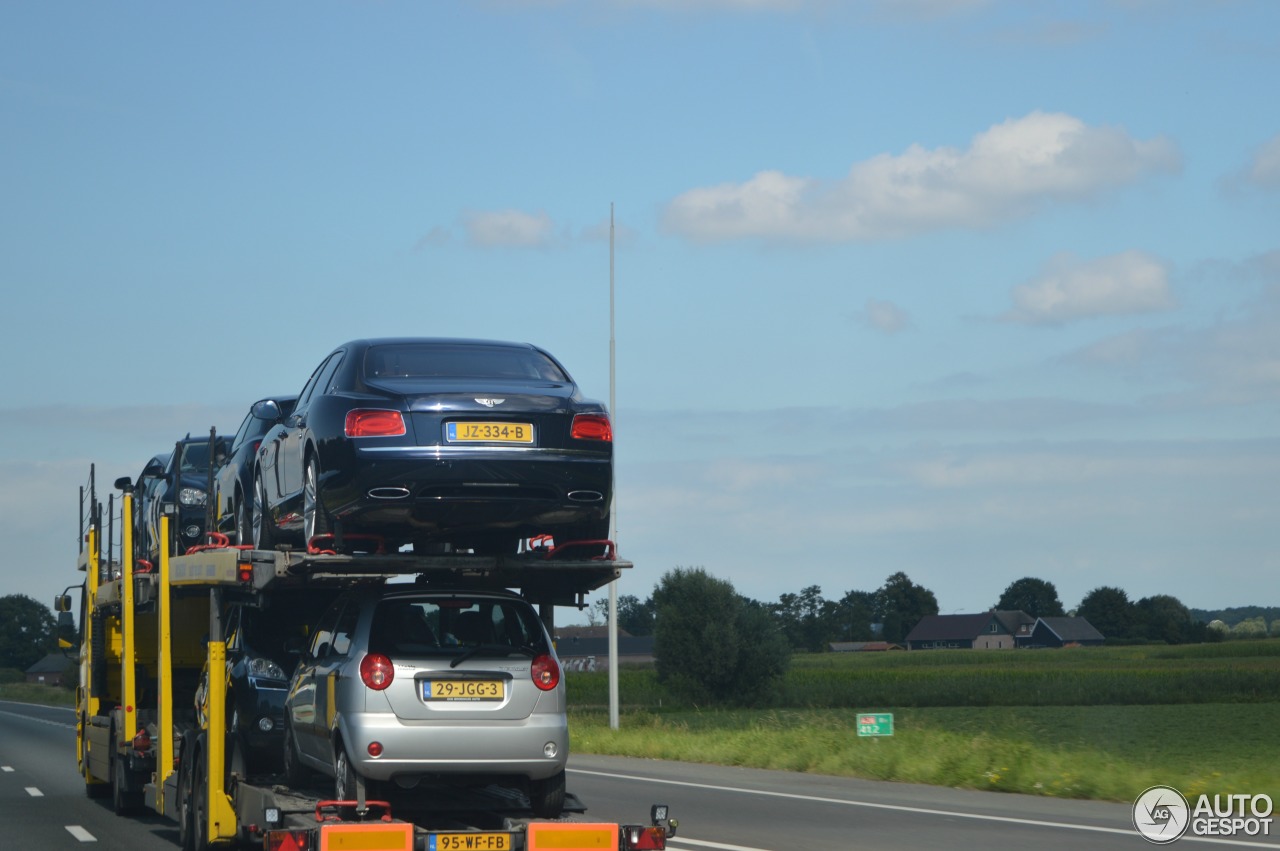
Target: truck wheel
[
  {"x": 186, "y": 819},
  {"x": 200, "y": 805},
  {"x": 263, "y": 530},
  {"x": 124, "y": 800},
  {"x": 546, "y": 797}
]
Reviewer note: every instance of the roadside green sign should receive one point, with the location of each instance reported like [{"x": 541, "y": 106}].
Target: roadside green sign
[{"x": 875, "y": 723}]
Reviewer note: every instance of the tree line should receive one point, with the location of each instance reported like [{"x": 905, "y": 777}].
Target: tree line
[
  {"x": 28, "y": 633},
  {"x": 713, "y": 645},
  {"x": 810, "y": 622}
]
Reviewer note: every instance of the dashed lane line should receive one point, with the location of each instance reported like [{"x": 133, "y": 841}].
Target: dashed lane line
[
  {"x": 80, "y": 833},
  {"x": 920, "y": 810}
]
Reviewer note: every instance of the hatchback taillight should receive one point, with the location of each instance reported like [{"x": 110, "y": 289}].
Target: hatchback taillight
[
  {"x": 546, "y": 672},
  {"x": 374, "y": 423},
  {"x": 376, "y": 671},
  {"x": 592, "y": 427}
]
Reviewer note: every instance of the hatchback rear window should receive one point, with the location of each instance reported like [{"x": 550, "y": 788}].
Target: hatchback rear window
[
  {"x": 447, "y": 360},
  {"x": 411, "y": 626}
]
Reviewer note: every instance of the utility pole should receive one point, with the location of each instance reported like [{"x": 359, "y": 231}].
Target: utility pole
[{"x": 613, "y": 513}]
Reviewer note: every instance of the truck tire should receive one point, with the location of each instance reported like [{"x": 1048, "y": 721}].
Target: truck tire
[
  {"x": 546, "y": 797},
  {"x": 186, "y": 819},
  {"x": 200, "y": 804},
  {"x": 124, "y": 800}
]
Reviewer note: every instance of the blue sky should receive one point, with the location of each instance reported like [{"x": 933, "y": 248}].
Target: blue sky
[{"x": 971, "y": 290}]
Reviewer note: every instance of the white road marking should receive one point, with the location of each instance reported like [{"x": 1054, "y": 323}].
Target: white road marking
[
  {"x": 34, "y": 792},
  {"x": 906, "y": 809},
  {"x": 7, "y": 769},
  {"x": 674, "y": 845},
  {"x": 71, "y": 725},
  {"x": 80, "y": 833}
]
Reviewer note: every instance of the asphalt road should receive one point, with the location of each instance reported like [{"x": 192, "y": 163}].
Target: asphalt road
[{"x": 43, "y": 806}]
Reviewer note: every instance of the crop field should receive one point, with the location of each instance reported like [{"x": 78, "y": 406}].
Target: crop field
[{"x": 1101, "y": 723}]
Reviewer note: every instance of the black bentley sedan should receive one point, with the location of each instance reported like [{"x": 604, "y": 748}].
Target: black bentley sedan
[
  {"x": 233, "y": 481},
  {"x": 442, "y": 444}
]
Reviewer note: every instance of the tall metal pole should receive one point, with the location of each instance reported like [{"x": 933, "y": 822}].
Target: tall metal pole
[{"x": 613, "y": 513}]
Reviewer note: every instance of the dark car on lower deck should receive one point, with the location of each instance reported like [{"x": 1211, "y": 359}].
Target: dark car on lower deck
[{"x": 176, "y": 482}]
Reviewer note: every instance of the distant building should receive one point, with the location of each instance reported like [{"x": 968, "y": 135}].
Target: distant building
[
  {"x": 50, "y": 670},
  {"x": 1064, "y": 632},
  {"x": 862, "y": 646},
  {"x": 586, "y": 648},
  {"x": 987, "y": 631},
  {"x": 1002, "y": 630}
]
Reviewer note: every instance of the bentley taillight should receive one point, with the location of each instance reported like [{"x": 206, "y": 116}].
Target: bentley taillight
[
  {"x": 374, "y": 423},
  {"x": 592, "y": 427}
]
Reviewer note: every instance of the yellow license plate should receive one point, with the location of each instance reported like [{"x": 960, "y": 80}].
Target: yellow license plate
[
  {"x": 463, "y": 690},
  {"x": 489, "y": 432},
  {"x": 469, "y": 842}
]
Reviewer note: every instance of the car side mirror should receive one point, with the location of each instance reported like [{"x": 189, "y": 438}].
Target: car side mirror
[{"x": 267, "y": 410}]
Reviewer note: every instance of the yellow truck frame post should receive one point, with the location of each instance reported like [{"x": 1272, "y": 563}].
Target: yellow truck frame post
[
  {"x": 128, "y": 637},
  {"x": 108, "y": 661},
  {"x": 165, "y": 749},
  {"x": 87, "y": 698},
  {"x": 221, "y": 818}
]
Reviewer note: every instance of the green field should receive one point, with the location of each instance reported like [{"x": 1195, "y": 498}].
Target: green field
[{"x": 1091, "y": 723}]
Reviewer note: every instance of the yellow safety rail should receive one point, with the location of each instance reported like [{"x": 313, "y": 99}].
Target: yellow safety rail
[
  {"x": 85, "y": 696},
  {"x": 128, "y": 673},
  {"x": 222, "y": 815},
  {"x": 164, "y": 674}
]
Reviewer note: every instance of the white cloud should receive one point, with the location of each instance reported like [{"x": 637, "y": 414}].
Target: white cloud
[
  {"x": 1069, "y": 289},
  {"x": 1008, "y": 170},
  {"x": 1056, "y": 33},
  {"x": 884, "y": 316},
  {"x": 438, "y": 235},
  {"x": 509, "y": 229},
  {"x": 1264, "y": 171},
  {"x": 731, "y": 5},
  {"x": 1233, "y": 361}
]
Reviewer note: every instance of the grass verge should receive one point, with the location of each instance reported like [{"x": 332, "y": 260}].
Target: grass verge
[
  {"x": 1098, "y": 752},
  {"x": 35, "y": 693}
]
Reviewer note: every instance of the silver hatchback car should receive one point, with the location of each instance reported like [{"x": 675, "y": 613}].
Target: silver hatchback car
[{"x": 405, "y": 687}]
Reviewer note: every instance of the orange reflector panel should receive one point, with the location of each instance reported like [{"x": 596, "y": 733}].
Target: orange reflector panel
[
  {"x": 544, "y": 836},
  {"x": 397, "y": 836}
]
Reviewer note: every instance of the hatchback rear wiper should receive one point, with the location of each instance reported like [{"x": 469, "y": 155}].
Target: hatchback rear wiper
[{"x": 493, "y": 649}]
